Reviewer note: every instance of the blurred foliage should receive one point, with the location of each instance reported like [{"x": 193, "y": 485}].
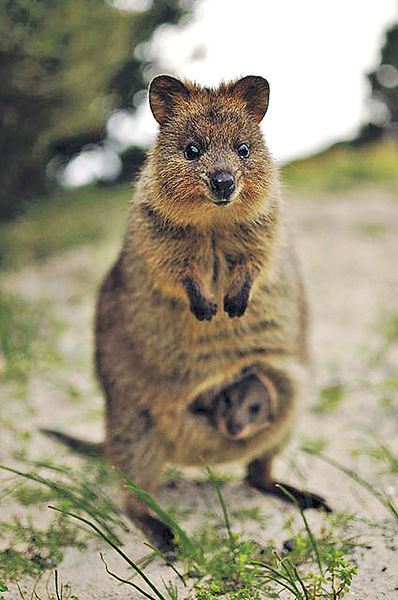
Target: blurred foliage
[
  {"x": 330, "y": 398},
  {"x": 389, "y": 329},
  {"x": 67, "y": 219},
  {"x": 18, "y": 333},
  {"x": 372, "y": 156},
  {"x": 384, "y": 80},
  {"x": 384, "y": 94},
  {"x": 64, "y": 66},
  {"x": 343, "y": 167},
  {"x": 132, "y": 160}
]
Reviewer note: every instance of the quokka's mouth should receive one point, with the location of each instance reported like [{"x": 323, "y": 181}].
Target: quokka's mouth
[
  {"x": 242, "y": 435},
  {"x": 221, "y": 202}
]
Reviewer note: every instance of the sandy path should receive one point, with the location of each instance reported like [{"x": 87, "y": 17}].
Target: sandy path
[{"x": 348, "y": 251}]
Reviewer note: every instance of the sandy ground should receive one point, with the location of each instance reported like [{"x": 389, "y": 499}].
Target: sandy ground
[{"x": 350, "y": 267}]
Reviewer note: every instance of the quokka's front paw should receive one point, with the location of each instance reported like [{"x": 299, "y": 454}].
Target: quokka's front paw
[
  {"x": 236, "y": 305},
  {"x": 203, "y": 309}
]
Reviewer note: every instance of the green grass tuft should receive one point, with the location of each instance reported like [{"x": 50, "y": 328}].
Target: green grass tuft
[
  {"x": 343, "y": 168},
  {"x": 32, "y": 550},
  {"x": 390, "y": 328},
  {"x": 69, "y": 219},
  {"x": 330, "y": 398},
  {"x": 217, "y": 559},
  {"x": 380, "y": 496},
  {"x": 382, "y": 454},
  {"x": 26, "y": 335}
]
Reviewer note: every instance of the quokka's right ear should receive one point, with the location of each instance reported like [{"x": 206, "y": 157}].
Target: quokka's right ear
[
  {"x": 164, "y": 93},
  {"x": 254, "y": 90}
]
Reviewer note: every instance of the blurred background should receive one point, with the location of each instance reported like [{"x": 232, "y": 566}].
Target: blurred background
[
  {"x": 74, "y": 79},
  {"x": 74, "y": 129}
]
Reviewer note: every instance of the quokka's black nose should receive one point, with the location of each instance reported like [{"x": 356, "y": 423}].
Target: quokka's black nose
[{"x": 222, "y": 184}]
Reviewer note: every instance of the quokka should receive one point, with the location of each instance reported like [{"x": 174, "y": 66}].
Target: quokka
[{"x": 206, "y": 289}]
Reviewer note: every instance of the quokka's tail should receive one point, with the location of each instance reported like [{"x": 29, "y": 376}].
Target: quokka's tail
[{"x": 76, "y": 444}]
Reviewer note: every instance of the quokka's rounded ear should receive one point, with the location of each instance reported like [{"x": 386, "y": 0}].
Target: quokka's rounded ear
[
  {"x": 164, "y": 93},
  {"x": 254, "y": 90}
]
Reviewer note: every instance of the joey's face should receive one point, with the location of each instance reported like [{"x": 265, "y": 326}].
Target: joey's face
[
  {"x": 240, "y": 412},
  {"x": 210, "y": 156}
]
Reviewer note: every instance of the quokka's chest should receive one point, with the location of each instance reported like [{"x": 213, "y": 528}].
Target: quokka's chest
[
  {"x": 216, "y": 257},
  {"x": 215, "y": 262}
]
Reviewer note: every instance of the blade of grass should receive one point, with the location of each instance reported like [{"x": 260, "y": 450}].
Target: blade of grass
[
  {"x": 126, "y": 581},
  {"x": 289, "y": 575},
  {"x": 115, "y": 547},
  {"x": 388, "y": 504},
  {"x": 19, "y": 590},
  {"x": 66, "y": 494},
  {"x": 187, "y": 545},
  {"x": 147, "y": 559},
  {"x": 169, "y": 564},
  {"x": 310, "y": 534},
  {"x": 7, "y": 491},
  {"x": 283, "y": 585},
  {"x": 293, "y": 583},
  {"x": 40, "y": 575},
  {"x": 301, "y": 582},
  {"x": 279, "y": 578},
  {"x": 56, "y": 584},
  {"x": 216, "y": 487},
  {"x": 92, "y": 491},
  {"x": 171, "y": 589}
]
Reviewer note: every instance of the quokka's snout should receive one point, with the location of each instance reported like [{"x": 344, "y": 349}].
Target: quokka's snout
[{"x": 222, "y": 185}]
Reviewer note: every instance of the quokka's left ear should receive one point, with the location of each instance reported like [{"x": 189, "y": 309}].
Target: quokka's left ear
[{"x": 254, "y": 90}]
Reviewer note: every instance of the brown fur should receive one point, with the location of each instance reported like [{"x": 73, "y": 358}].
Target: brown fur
[{"x": 165, "y": 331}]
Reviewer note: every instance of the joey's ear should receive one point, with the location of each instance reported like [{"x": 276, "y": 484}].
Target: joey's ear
[
  {"x": 164, "y": 93},
  {"x": 255, "y": 92}
]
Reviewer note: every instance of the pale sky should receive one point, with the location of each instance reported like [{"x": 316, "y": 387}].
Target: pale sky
[{"x": 314, "y": 53}]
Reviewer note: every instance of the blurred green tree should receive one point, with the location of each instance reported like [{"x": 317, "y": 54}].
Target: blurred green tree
[
  {"x": 384, "y": 80},
  {"x": 64, "y": 66},
  {"x": 384, "y": 93}
]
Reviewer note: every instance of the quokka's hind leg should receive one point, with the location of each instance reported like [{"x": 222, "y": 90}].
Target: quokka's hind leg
[
  {"x": 145, "y": 474},
  {"x": 259, "y": 477},
  {"x": 159, "y": 534},
  {"x": 135, "y": 447}
]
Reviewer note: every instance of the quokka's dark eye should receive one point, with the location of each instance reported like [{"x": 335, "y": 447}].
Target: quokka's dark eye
[
  {"x": 192, "y": 152},
  {"x": 243, "y": 150},
  {"x": 254, "y": 409}
]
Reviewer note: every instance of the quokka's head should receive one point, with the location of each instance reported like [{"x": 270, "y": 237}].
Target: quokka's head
[{"x": 210, "y": 161}]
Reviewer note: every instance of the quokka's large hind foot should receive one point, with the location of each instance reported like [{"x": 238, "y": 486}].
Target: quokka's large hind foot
[
  {"x": 159, "y": 534},
  {"x": 259, "y": 477},
  {"x": 303, "y": 498}
]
